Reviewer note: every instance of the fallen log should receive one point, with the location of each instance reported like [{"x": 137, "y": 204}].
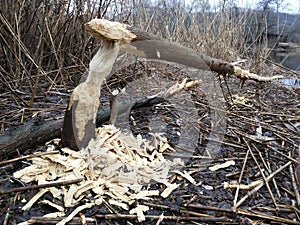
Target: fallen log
[
  {"x": 37, "y": 132},
  {"x": 15, "y": 141},
  {"x": 150, "y": 46}
]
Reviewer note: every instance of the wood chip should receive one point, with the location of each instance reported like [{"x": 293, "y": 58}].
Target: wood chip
[
  {"x": 58, "y": 207},
  {"x": 75, "y": 212},
  {"x": 222, "y": 166},
  {"x": 120, "y": 204},
  {"x": 185, "y": 175},
  {"x": 242, "y": 186},
  {"x": 115, "y": 165},
  {"x": 168, "y": 190},
  {"x": 34, "y": 199},
  {"x": 54, "y": 215},
  {"x": 139, "y": 211}
]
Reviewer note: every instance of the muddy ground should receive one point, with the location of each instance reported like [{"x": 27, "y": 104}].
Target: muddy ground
[{"x": 261, "y": 137}]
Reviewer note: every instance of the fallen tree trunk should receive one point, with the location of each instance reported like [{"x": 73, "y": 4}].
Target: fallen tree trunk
[
  {"x": 150, "y": 46},
  {"x": 37, "y": 132}
]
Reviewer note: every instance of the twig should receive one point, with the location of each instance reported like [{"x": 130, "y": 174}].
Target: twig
[
  {"x": 155, "y": 217},
  {"x": 266, "y": 216},
  {"x": 77, "y": 220},
  {"x": 285, "y": 156},
  {"x": 45, "y": 220},
  {"x": 240, "y": 178},
  {"x": 281, "y": 66},
  {"x": 267, "y": 167},
  {"x": 74, "y": 213},
  {"x": 33, "y": 187},
  {"x": 277, "y": 130},
  {"x": 211, "y": 208},
  {"x": 261, "y": 185},
  {"x": 181, "y": 210},
  {"x": 27, "y": 157},
  {"x": 296, "y": 191},
  {"x": 262, "y": 174}
]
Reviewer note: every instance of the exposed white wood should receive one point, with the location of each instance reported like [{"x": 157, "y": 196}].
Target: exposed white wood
[{"x": 84, "y": 101}]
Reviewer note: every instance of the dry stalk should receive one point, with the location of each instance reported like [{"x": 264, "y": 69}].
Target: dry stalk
[
  {"x": 262, "y": 174},
  {"x": 267, "y": 167},
  {"x": 41, "y": 186},
  {"x": 240, "y": 178},
  {"x": 253, "y": 191},
  {"x": 294, "y": 183},
  {"x": 26, "y": 157},
  {"x": 266, "y": 216}
]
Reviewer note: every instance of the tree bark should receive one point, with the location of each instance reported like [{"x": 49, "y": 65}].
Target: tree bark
[
  {"x": 80, "y": 119},
  {"x": 37, "y": 132},
  {"x": 150, "y": 46}
]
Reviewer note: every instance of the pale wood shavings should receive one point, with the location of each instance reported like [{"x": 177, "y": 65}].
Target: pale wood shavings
[
  {"x": 165, "y": 146},
  {"x": 75, "y": 212},
  {"x": 235, "y": 184},
  {"x": 145, "y": 194},
  {"x": 222, "y": 165},
  {"x": 34, "y": 199},
  {"x": 54, "y": 215},
  {"x": 168, "y": 190},
  {"x": 139, "y": 210},
  {"x": 68, "y": 199},
  {"x": 120, "y": 204},
  {"x": 58, "y": 207},
  {"x": 186, "y": 175},
  {"x": 85, "y": 187},
  {"x": 115, "y": 165},
  {"x": 56, "y": 192}
]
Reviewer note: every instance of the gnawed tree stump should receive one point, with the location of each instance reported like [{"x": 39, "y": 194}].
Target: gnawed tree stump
[{"x": 80, "y": 118}]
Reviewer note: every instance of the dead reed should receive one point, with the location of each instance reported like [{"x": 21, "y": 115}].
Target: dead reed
[{"x": 43, "y": 43}]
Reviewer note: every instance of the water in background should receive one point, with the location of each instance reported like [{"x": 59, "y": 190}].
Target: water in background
[{"x": 290, "y": 82}]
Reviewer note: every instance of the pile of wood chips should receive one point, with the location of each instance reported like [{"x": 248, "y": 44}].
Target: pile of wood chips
[{"x": 116, "y": 166}]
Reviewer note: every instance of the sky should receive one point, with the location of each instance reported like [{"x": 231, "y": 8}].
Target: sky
[{"x": 288, "y": 6}]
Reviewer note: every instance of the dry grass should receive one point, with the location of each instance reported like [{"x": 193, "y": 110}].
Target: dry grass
[{"x": 45, "y": 42}]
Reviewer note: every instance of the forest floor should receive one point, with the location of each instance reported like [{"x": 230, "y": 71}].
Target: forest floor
[{"x": 260, "y": 145}]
